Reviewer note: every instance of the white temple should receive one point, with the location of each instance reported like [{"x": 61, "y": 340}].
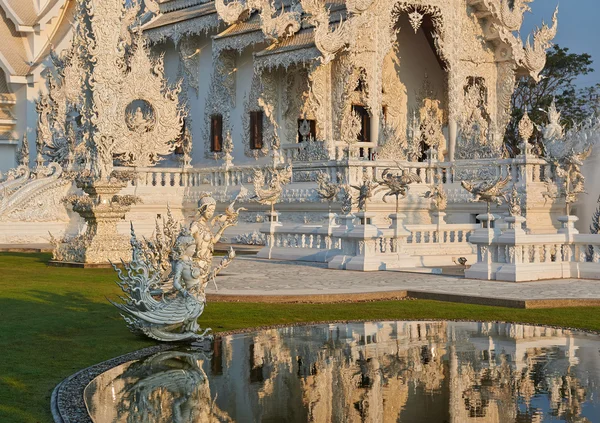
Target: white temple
[{"x": 413, "y": 96}]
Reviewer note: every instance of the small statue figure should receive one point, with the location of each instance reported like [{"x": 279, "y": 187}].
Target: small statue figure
[
  {"x": 397, "y": 185},
  {"x": 438, "y": 195},
  {"x": 347, "y": 199},
  {"x": 365, "y": 193},
  {"x": 166, "y": 308},
  {"x": 488, "y": 192},
  {"x": 327, "y": 190},
  {"x": 271, "y": 194},
  {"x": 139, "y": 122},
  {"x": 202, "y": 229},
  {"x": 514, "y": 202}
]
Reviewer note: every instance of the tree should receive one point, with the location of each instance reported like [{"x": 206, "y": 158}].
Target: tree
[{"x": 559, "y": 75}]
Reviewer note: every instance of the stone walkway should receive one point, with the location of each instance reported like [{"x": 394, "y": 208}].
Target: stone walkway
[{"x": 252, "y": 279}]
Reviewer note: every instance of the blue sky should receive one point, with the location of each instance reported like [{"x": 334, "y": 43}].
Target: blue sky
[{"x": 578, "y": 28}]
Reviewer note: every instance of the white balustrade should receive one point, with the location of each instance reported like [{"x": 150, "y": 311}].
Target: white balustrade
[{"x": 513, "y": 255}]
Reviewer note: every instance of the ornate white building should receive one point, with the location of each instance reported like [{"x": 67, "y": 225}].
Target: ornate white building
[
  {"x": 358, "y": 94},
  {"x": 28, "y": 30}
]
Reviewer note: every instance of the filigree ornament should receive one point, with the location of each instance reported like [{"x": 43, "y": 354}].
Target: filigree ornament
[
  {"x": 432, "y": 120},
  {"x": 526, "y": 128},
  {"x": 312, "y": 150},
  {"x": 416, "y": 20}
]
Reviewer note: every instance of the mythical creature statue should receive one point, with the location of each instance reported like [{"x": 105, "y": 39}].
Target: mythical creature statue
[
  {"x": 396, "y": 184},
  {"x": 327, "y": 190},
  {"x": 438, "y": 194},
  {"x": 232, "y": 12},
  {"x": 488, "y": 192},
  {"x": 283, "y": 25},
  {"x": 164, "y": 304},
  {"x": 329, "y": 42},
  {"x": 567, "y": 150},
  {"x": 271, "y": 193},
  {"x": 365, "y": 193}
]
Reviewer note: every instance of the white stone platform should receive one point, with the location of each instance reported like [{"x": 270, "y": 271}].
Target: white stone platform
[{"x": 252, "y": 279}]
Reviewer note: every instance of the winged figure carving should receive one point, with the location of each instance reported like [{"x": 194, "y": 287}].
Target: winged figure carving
[
  {"x": 328, "y": 41},
  {"x": 164, "y": 298},
  {"x": 486, "y": 191},
  {"x": 270, "y": 192},
  {"x": 326, "y": 189},
  {"x": 396, "y": 184}
]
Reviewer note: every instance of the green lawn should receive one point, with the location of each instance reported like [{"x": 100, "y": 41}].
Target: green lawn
[{"x": 55, "y": 321}]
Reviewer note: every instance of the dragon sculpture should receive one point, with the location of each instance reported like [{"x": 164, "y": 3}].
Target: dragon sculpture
[
  {"x": 163, "y": 299},
  {"x": 487, "y": 192},
  {"x": 396, "y": 184},
  {"x": 270, "y": 194}
]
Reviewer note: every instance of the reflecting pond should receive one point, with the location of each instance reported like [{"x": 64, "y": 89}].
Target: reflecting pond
[{"x": 363, "y": 372}]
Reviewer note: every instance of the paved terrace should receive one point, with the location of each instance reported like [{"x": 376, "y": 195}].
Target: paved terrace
[{"x": 252, "y": 279}]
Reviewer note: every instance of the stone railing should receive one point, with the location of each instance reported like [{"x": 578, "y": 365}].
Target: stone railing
[
  {"x": 442, "y": 234},
  {"x": 430, "y": 172},
  {"x": 513, "y": 255},
  {"x": 356, "y": 238},
  {"x": 192, "y": 177}
]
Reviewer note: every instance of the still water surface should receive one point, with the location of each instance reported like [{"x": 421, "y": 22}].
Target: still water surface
[{"x": 363, "y": 372}]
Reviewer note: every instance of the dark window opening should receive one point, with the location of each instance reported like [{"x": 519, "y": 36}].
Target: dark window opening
[
  {"x": 216, "y": 133},
  {"x": 312, "y": 129},
  {"x": 365, "y": 123},
  {"x": 256, "y": 130}
]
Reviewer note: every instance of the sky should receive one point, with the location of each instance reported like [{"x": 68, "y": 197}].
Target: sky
[{"x": 578, "y": 28}]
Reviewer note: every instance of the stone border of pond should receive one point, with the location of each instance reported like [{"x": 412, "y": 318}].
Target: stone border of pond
[{"x": 67, "y": 401}]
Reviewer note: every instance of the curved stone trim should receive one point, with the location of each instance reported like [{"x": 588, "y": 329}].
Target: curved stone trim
[{"x": 67, "y": 404}]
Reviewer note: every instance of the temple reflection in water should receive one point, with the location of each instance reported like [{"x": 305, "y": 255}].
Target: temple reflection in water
[{"x": 363, "y": 372}]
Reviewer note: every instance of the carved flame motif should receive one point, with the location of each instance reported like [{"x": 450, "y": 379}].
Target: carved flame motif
[{"x": 535, "y": 54}]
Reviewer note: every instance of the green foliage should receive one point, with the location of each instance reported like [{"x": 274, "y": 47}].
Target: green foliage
[
  {"x": 559, "y": 75},
  {"x": 56, "y": 321}
]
